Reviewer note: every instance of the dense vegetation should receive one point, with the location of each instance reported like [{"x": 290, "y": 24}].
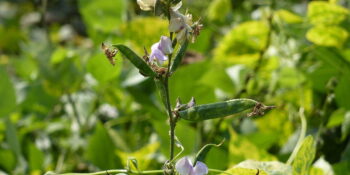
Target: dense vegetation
[{"x": 65, "y": 108}]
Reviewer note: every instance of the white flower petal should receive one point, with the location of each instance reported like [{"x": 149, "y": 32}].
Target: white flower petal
[
  {"x": 146, "y": 5},
  {"x": 177, "y": 6},
  {"x": 165, "y": 45},
  {"x": 184, "y": 166},
  {"x": 200, "y": 169}
]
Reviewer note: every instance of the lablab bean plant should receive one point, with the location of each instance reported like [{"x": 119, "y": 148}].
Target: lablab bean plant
[{"x": 160, "y": 64}]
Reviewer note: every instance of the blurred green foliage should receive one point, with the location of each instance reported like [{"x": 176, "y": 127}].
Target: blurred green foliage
[{"x": 64, "y": 107}]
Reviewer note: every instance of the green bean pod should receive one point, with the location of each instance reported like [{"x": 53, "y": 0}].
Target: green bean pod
[
  {"x": 216, "y": 110},
  {"x": 136, "y": 60}
]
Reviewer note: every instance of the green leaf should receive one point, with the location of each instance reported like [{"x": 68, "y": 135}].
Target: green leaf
[
  {"x": 144, "y": 156},
  {"x": 305, "y": 156},
  {"x": 244, "y": 171},
  {"x": 7, "y": 94},
  {"x": 35, "y": 157},
  {"x": 241, "y": 149},
  {"x": 288, "y": 16},
  {"x": 7, "y": 160},
  {"x": 243, "y": 43},
  {"x": 218, "y": 10},
  {"x": 322, "y": 12},
  {"x": 216, "y": 110},
  {"x": 101, "y": 17},
  {"x": 178, "y": 58},
  {"x": 100, "y": 149},
  {"x": 327, "y": 35},
  {"x": 204, "y": 151},
  {"x": 342, "y": 94},
  {"x": 12, "y": 138},
  {"x": 136, "y": 60},
  {"x": 101, "y": 69},
  {"x": 345, "y": 127},
  {"x": 270, "y": 167}
]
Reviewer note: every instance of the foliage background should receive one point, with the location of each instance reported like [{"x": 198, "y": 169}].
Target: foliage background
[{"x": 64, "y": 108}]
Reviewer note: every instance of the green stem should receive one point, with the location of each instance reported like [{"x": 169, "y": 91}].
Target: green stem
[
  {"x": 75, "y": 110},
  {"x": 301, "y": 137},
  {"x": 109, "y": 172}
]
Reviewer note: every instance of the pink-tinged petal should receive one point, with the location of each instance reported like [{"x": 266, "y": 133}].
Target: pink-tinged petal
[
  {"x": 184, "y": 166},
  {"x": 200, "y": 169},
  {"x": 159, "y": 55},
  {"x": 165, "y": 45}
]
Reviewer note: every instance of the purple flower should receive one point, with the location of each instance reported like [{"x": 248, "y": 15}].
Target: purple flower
[
  {"x": 161, "y": 49},
  {"x": 184, "y": 167}
]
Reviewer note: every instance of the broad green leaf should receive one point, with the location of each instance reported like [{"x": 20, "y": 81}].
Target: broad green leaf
[
  {"x": 327, "y": 35},
  {"x": 288, "y": 16},
  {"x": 101, "y": 69},
  {"x": 216, "y": 110},
  {"x": 7, "y": 94},
  {"x": 244, "y": 171},
  {"x": 218, "y": 10},
  {"x": 242, "y": 43},
  {"x": 144, "y": 156},
  {"x": 136, "y": 60},
  {"x": 322, "y": 12},
  {"x": 217, "y": 158},
  {"x": 305, "y": 156},
  {"x": 100, "y": 149},
  {"x": 271, "y": 167},
  {"x": 178, "y": 58}
]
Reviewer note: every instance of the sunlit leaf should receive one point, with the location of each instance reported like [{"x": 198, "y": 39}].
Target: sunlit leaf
[
  {"x": 218, "y": 10},
  {"x": 101, "y": 69},
  {"x": 322, "y": 12},
  {"x": 242, "y": 43},
  {"x": 305, "y": 156},
  {"x": 327, "y": 35},
  {"x": 288, "y": 16}
]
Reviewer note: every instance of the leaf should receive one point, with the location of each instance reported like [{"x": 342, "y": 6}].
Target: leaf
[
  {"x": 243, "y": 43},
  {"x": 144, "y": 156},
  {"x": 7, "y": 94},
  {"x": 136, "y": 60},
  {"x": 178, "y": 58},
  {"x": 216, "y": 110},
  {"x": 342, "y": 94},
  {"x": 218, "y": 10},
  {"x": 101, "y": 69},
  {"x": 12, "y": 139},
  {"x": 288, "y": 16},
  {"x": 270, "y": 167},
  {"x": 345, "y": 127},
  {"x": 101, "y": 17},
  {"x": 204, "y": 151},
  {"x": 241, "y": 149},
  {"x": 327, "y": 35},
  {"x": 305, "y": 156},
  {"x": 35, "y": 157},
  {"x": 7, "y": 160},
  {"x": 100, "y": 149},
  {"x": 244, "y": 171},
  {"x": 322, "y": 12}
]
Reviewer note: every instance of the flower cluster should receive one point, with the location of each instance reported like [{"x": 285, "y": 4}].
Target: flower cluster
[{"x": 180, "y": 24}]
